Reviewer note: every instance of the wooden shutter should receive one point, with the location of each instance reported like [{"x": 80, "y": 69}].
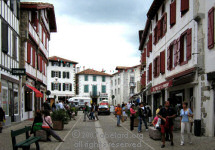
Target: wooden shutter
[
  {"x": 158, "y": 66},
  {"x": 44, "y": 67},
  {"x": 189, "y": 43},
  {"x": 148, "y": 76},
  {"x": 143, "y": 79},
  {"x": 159, "y": 30},
  {"x": 154, "y": 67},
  {"x": 4, "y": 35},
  {"x": 59, "y": 85},
  {"x": 184, "y": 5},
  {"x": 169, "y": 58},
  {"x": 143, "y": 59},
  {"x": 162, "y": 62},
  {"x": 70, "y": 86},
  {"x": 42, "y": 34},
  {"x": 38, "y": 62},
  {"x": 64, "y": 87},
  {"x": 28, "y": 53},
  {"x": 59, "y": 63},
  {"x": 211, "y": 28},
  {"x": 173, "y": 13},
  {"x": 164, "y": 23},
  {"x": 175, "y": 53},
  {"x": 148, "y": 53},
  {"x": 52, "y": 86},
  {"x": 150, "y": 42},
  {"x": 155, "y": 35},
  {"x": 64, "y": 74},
  {"x": 41, "y": 64},
  {"x": 59, "y": 74},
  {"x": 52, "y": 74},
  {"x": 68, "y": 75},
  {"x": 150, "y": 72},
  {"x": 34, "y": 53}
]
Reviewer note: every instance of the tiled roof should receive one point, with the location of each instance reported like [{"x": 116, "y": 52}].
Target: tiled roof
[
  {"x": 93, "y": 72},
  {"x": 126, "y": 68},
  {"x": 56, "y": 58}
]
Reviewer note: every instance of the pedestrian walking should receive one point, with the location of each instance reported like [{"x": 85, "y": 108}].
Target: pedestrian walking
[
  {"x": 96, "y": 111},
  {"x": 132, "y": 116},
  {"x": 129, "y": 105},
  {"x": 118, "y": 113},
  {"x": 124, "y": 112},
  {"x": 86, "y": 111},
  {"x": 142, "y": 117},
  {"x": 92, "y": 117},
  {"x": 2, "y": 118},
  {"x": 46, "y": 126},
  {"x": 149, "y": 114},
  {"x": 186, "y": 116},
  {"x": 158, "y": 109},
  {"x": 123, "y": 104},
  {"x": 167, "y": 114},
  {"x": 57, "y": 106}
]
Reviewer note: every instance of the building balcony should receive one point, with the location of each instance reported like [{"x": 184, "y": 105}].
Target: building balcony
[
  {"x": 94, "y": 94},
  {"x": 41, "y": 77},
  {"x": 132, "y": 84},
  {"x": 30, "y": 70}
]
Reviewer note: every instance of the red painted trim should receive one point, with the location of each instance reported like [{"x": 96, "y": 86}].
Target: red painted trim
[
  {"x": 161, "y": 86},
  {"x": 181, "y": 73}
]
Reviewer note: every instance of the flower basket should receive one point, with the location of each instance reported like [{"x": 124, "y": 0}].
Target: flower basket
[{"x": 59, "y": 117}]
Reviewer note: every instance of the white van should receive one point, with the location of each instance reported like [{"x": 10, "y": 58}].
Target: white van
[{"x": 80, "y": 101}]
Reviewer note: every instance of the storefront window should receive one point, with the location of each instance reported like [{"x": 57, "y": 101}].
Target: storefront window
[
  {"x": 16, "y": 99},
  {"x": 5, "y": 96}
]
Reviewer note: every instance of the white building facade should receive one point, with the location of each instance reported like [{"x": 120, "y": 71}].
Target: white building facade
[
  {"x": 125, "y": 85},
  {"x": 177, "y": 58},
  {"x": 61, "y": 78},
  {"x": 94, "y": 84},
  {"x": 9, "y": 58}
]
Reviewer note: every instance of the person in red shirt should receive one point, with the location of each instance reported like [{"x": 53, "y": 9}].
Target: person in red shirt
[
  {"x": 118, "y": 113},
  {"x": 132, "y": 116}
]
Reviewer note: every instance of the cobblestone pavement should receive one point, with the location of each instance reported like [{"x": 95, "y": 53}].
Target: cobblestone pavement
[{"x": 104, "y": 135}]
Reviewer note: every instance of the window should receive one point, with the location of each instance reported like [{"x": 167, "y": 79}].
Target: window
[
  {"x": 103, "y": 78},
  {"x": 132, "y": 79},
  {"x": 150, "y": 72},
  {"x": 172, "y": 55},
  {"x": 29, "y": 53},
  {"x": 162, "y": 62},
  {"x": 14, "y": 50},
  {"x": 156, "y": 66},
  {"x": 66, "y": 64},
  {"x": 85, "y": 77},
  {"x": 54, "y": 63},
  {"x": 94, "y": 78},
  {"x": 211, "y": 28},
  {"x": 67, "y": 87},
  {"x": 56, "y": 74},
  {"x": 184, "y": 7},
  {"x": 103, "y": 89},
  {"x": 86, "y": 88},
  {"x": 118, "y": 90},
  {"x": 115, "y": 82},
  {"x": 173, "y": 13},
  {"x": 115, "y": 92},
  {"x": 4, "y": 37},
  {"x": 56, "y": 86},
  {"x": 143, "y": 79},
  {"x": 66, "y": 75},
  {"x": 132, "y": 91},
  {"x": 118, "y": 81}
]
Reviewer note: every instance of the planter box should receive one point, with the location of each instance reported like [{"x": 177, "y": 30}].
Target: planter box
[
  {"x": 58, "y": 125},
  {"x": 136, "y": 122}
]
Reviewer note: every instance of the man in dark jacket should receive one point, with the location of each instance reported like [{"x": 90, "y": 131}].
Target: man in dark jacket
[
  {"x": 2, "y": 118},
  {"x": 142, "y": 117},
  {"x": 96, "y": 111}
]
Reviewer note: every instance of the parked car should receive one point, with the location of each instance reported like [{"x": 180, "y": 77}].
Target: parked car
[
  {"x": 80, "y": 101},
  {"x": 103, "y": 109}
]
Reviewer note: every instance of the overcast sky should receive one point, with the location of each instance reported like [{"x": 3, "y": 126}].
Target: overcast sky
[{"x": 98, "y": 34}]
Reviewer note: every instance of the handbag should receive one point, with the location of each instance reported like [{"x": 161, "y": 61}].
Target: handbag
[
  {"x": 190, "y": 118},
  {"x": 48, "y": 124}
]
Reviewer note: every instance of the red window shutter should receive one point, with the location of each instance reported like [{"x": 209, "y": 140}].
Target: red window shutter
[
  {"x": 143, "y": 79},
  {"x": 148, "y": 76},
  {"x": 150, "y": 42},
  {"x": 148, "y": 53},
  {"x": 184, "y": 5},
  {"x": 175, "y": 53},
  {"x": 42, "y": 34},
  {"x": 158, "y": 66},
  {"x": 189, "y": 43},
  {"x": 150, "y": 72},
  {"x": 211, "y": 28},
  {"x": 38, "y": 62},
  {"x": 155, "y": 67},
  {"x": 155, "y": 35},
  {"x": 143, "y": 59},
  {"x": 169, "y": 58},
  {"x": 41, "y": 64},
  {"x": 28, "y": 53},
  {"x": 33, "y": 64},
  {"x": 173, "y": 13},
  {"x": 162, "y": 62},
  {"x": 164, "y": 23},
  {"x": 159, "y": 30}
]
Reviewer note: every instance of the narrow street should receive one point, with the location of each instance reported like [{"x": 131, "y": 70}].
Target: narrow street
[{"x": 104, "y": 135}]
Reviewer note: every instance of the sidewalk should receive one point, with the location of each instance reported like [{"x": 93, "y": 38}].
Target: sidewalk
[{"x": 6, "y": 142}]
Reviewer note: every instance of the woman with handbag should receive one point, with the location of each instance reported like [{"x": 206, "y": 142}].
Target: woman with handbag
[
  {"x": 2, "y": 118},
  {"x": 47, "y": 121},
  {"x": 186, "y": 118}
]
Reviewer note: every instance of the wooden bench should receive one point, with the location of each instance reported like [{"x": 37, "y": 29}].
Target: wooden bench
[
  {"x": 25, "y": 145},
  {"x": 154, "y": 133}
]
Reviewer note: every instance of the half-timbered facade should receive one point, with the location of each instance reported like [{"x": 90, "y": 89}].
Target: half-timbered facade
[
  {"x": 175, "y": 60},
  {"x": 37, "y": 21},
  {"x": 9, "y": 58}
]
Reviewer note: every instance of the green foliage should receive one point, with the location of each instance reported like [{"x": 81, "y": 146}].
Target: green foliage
[{"x": 60, "y": 115}]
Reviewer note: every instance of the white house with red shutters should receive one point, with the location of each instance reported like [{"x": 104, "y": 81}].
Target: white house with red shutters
[
  {"x": 9, "y": 58},
  {"x": 37, "y": 21},
  {"x": 177, "y": 46}
]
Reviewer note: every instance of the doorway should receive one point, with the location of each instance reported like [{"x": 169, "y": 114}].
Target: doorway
[{"x": 94, "y": 100}]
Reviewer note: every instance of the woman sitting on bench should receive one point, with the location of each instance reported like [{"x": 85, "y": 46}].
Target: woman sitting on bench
[{"x": 47, "y": 121}]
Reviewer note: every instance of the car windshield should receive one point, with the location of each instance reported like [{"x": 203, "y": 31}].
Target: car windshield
[{"x": 103, "y": 106}]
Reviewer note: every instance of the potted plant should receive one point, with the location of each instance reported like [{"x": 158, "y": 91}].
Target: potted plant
[{"x": 58, "y": 119}]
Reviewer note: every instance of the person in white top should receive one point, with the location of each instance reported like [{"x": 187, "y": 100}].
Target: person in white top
[
  {"x": 61, "y": 105},
  {"x": 129, "y": 105}
]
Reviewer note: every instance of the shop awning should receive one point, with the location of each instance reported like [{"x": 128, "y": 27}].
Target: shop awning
[{"x": 37, "y": 92}]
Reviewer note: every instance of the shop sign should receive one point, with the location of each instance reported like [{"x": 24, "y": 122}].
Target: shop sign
[
  {"x": 161, "y": 86},
  {"x": 104, "y": 95},
  {"x": 18, "y": 71}
]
